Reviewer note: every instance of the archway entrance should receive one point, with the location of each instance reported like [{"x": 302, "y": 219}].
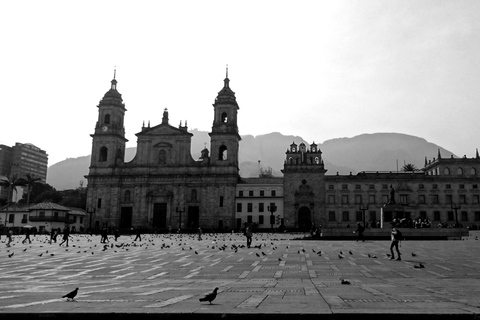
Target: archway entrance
[{"x": 304, "y": 218}]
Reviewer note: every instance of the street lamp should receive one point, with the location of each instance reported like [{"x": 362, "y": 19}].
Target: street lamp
[
  {"x": 363, "y": 209},
  {"x": 272, "y": 209},
  {"x": 456, "y": 207},
  {"x": 179, "y": 211}
]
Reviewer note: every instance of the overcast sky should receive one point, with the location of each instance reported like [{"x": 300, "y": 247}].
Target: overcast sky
[{"x": 316, "y": 69}]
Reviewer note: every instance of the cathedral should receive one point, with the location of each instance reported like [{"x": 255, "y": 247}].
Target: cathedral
[{"x": 163, "y": 186}]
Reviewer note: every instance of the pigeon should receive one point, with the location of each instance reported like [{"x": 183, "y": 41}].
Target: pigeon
[
  {"x": 210, "y": 297},
  {"x": 340, "y": 256},
  {"x": 11, "y": 254},
  {"x": 350, "y": 252},
  {"x": 71, "y": 295},
  {"x": 343, "y": 281},
  {"x": 413, "y": 254},
  {"x": 257, "y": 254}
]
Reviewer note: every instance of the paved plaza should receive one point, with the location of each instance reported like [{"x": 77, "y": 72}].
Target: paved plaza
[{"x": 167, "y": 274}]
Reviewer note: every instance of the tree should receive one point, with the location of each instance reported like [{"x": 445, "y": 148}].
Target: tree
[
  {"x": 409, "y": 167},
  {"x": 30, "y": 181},
  {"x": 11, "y": 184}
]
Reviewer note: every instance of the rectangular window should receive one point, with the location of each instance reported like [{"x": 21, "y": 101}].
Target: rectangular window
[
  {"x": 423, "y": 215},
  {"x": 331, "y": 187},
  {"x": 249, "y": 219},
  {"x": 221, "y": 201},
  {"x": 262, "y": 193},
  {"x": 358, "y": 199},
  {"x": 250, "y": 193},
  {"x": 421, "y": 199},
  {"x": 260, "y": 219},
  {"x": 74, "y": 218},
  {"x": 331, "y": 199},
  {"x": 475, "y": 186},
  {"x": 450, "y": 216},
  {"x": 261, "y": 207},
  {"x": 11, "y": 216},
  {"x": 449, "y": 199},
  {"x": 81, "y": 220},
  {"x": 436, "y": 215},
  {"x": 462, "y": 186},
  {"x": 240, "y": 193},
  {"x": 371, "y": 187},
  {"x": 345, "y": 216},
  {"x": 331, "y": 216},
  {"x": 477, "y": 215},
  {"x": 42, "y": 214},
  {"x": 464, "y": 216},
  {"x": 373, "y": 216},
  {"x": 99, "y": 203},
  {"x": 358, "y": 187},
  {"x": 273, "y": 193},
  {"x": 249, "y": 207},
  {"x": 384, "y": 186},
  {"x": 344, "y": 187},
  {"x": 359, "y": 215},
  {"x": 463, "y": 199},
  {"x": 435, "y": 198},
  {"x": 385, "y": 198},
  {"x": 421, "y": 186},
  {"x": 371, "y": 199},
  {"x": 239, "y": 207},
  {"x": 24, "y": 219},
  {"x": 435, "y": 186},
  {"x": 344, "y": 199},
  {"x": 476, "y": 199},
  {"x": 448, "y": 186},
  {"x": 404, "y": 198}
]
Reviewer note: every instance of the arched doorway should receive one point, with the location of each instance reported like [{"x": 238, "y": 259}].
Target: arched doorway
[{"x": 304, "y": 218}]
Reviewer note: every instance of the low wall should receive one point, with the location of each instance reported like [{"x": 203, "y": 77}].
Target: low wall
[{"x": 384, "y": 234}]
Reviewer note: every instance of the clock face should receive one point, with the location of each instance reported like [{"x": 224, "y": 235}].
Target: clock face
[{"x": 104, "y": 128}]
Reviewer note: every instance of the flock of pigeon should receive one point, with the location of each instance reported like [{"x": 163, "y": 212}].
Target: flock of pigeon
[{"x": 170, "y": 240}]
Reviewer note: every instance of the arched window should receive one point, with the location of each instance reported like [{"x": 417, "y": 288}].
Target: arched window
[
  {"x": 103, "y": 154},
  {"x": 126, "y": 196},
  {"x": 222, "y": 153},
  {"x": 106, "y": 119},
  {"x": 162, "y": 157},
  {"x": 317, "y": 160},
  {"x": 460, "y": 171},
  {"x": 224, "y": 117},
  {"x": 446, "y": 171},
  {"x": 290, "y": 160},
  {"x": 473, "y": 172}
]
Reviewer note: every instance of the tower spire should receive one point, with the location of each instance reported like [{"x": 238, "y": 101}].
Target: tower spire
[
  {"x": 114, "y": 72},
  {"x": 227, "y": 72}
]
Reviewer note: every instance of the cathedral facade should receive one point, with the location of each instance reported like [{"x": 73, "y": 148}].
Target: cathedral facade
[{"x": 163, "y": 186}]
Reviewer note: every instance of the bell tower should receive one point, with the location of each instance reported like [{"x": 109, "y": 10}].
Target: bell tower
[
  {"x": 224, "y": 138},
  {"x": 108, "y": 147}
]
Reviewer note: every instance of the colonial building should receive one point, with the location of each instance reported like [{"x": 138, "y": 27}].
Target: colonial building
[{"x": 163, "y": 185}]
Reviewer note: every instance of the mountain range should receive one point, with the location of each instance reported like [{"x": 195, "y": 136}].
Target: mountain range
[{"x": 366, "y": 152}]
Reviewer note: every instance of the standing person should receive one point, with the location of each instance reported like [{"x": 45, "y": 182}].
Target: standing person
[
  {"x": 396, "y": 237},
  {"x": 27, "y": 236},
  {"x": 248, "y": 234},
  {"x": 104, "y": 235},
  {"x": 66, "y": 234},
  {"x": 116, "y": 234},
  {"x": 199, "y": 234},
  {"x": 9, "y": 236},
  {"x": 360, "y": 229},
  {"x": 138, "y": 234},
  {"x": 52, "y": 235}
]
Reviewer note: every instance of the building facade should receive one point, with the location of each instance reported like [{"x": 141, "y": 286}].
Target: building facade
[
  {"x": 20, "y": 160},
  {"x": 163, "y": 185}
]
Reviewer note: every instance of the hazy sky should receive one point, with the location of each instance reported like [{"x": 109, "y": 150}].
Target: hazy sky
[{"x": 317, "y": 69}]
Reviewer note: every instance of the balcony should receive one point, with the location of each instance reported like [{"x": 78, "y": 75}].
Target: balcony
[{"x": 58, "y": 218}]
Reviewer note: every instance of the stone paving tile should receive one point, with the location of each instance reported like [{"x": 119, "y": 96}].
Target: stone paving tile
[{"x": 169, "y": 273}]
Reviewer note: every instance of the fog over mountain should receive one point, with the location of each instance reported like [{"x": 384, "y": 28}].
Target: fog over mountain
[{"x": 366, "y": 152}]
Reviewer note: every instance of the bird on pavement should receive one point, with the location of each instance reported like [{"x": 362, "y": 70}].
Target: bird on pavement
[
  {"x": 340, "y": 256},
  {"x": 343, "y": 281},
  {"x": 71, "y": 295},
  {"x": 413, "y": 254},
  {"x": 11, "y": 254},
  {"x": 210, "y": 297}
]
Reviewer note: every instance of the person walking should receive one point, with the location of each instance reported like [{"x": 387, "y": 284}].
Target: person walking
[
  {"x": 396, "y": 236},
  {"x": 138, "y": 234},
  {"x": 27, "y": 236},
  {"x": 66, "y": 234},
  {"x": 9, "y": 236},
  {"x": 360, "y": 229},
  {"x": 116, "y": 234},
  {"x": 199, "y": 234},
  {"x": 248, "y": 234}
]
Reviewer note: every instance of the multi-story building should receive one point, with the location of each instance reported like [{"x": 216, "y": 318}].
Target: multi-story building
[
  {"x": 164, "y": 186},
  {"x": 20, "y": 160},
  {"x": 259, "y": 202}
]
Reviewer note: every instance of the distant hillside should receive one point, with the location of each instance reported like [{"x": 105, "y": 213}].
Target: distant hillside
[{"x": 366, "y": 152}]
